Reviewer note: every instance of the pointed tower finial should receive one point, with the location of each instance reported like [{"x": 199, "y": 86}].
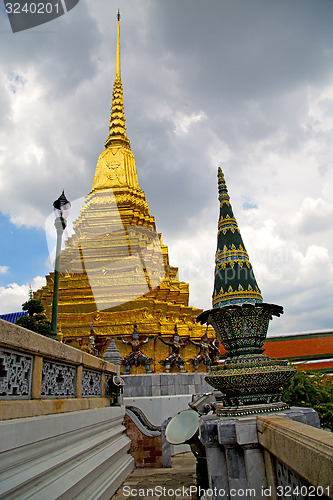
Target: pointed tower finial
[
  {"x": 116, "y": 164},
  {"x": 117, "y": 128},
  {"x": 235, "y": 282},
  {"x": 223, "y": 191},
  {"x": 118, "y": 47}
]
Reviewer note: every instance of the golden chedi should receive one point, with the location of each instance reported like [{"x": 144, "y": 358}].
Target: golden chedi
[{"x": 115, "y": 271}]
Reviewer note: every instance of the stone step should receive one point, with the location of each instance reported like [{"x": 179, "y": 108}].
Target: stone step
[{"x": 93, "y": 455}]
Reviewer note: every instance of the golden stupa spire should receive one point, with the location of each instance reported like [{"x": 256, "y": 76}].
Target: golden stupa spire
[
  {"x": 118, "y": 48},
  {"x": 117, "y": 128},
  {"x": 116, "y": 164}
]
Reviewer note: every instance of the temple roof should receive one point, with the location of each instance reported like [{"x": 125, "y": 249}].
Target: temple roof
[
  {"x": 13, "y": 317},
  {"x": 235, "y": 282}
]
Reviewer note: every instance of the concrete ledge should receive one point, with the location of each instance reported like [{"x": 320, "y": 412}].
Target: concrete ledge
[
  {"x": 37, "y": 368},
  {"x": 20, "y": 409},
  {"x": 16, "y": 337},
  {"x": 305, "y": 450}
]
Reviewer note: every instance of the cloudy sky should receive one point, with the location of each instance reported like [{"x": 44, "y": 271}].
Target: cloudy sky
[{"x": 242, "y": 84}]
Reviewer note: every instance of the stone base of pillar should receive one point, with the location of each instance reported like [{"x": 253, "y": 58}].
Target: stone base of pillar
[
  {"x": 235, "y": 460},
  {"x": 245, "y": 410}
]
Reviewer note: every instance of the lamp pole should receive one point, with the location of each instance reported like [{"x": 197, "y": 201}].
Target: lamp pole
[{"x": 61, "y": 210}]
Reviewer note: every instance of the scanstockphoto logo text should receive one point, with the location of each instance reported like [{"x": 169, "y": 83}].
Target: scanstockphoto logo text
[
  {"x": 187, "y": 491},
  {"x": 24, "y": 15},
  {"x": 263, "y": 492}
]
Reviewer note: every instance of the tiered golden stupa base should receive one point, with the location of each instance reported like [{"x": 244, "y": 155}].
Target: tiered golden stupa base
[
  {"x": 116, "y": 273},
  {"x": 153, "y": 317}
]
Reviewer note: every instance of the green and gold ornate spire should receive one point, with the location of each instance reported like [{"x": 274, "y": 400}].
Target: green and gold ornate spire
[
  {"x": 235, "y": 282},
  {"x": 249, "y": 380}
]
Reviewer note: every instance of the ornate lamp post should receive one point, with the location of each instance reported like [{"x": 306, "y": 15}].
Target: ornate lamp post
[{"x": 61, "y": 209}]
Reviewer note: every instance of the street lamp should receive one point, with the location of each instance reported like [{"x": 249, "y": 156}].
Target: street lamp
[{"x": 61, "y": 209}]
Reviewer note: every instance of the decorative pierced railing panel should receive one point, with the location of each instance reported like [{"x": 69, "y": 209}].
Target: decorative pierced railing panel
[
  {"x": 91, "y": 383},
  {"x": 291, "y": 486},
  {"x": 15, "y": 374},
  {"x": 58, "y": 380}
]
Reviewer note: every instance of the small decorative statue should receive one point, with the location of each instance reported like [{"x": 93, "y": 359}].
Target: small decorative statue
[
  {"x": 174, "y": 357},
  {"x": 136, "y": 357},
  {"x": 214, "y": 351},
  {"x": 86, "y": 347},
  {"x": 95, "y": 344},
  {"x": 204, "y": 353}
]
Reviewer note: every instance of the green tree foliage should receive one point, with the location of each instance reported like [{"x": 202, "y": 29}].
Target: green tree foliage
[
  {"x": 312, "y": 391},
  {"x": 33, "y": 307},
  {"x": 36, "y": 321}
]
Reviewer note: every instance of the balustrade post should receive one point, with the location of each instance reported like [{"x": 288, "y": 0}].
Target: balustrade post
[
  {"x": 78, "y": 387},
  {"x": 37, "y": 373}
]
